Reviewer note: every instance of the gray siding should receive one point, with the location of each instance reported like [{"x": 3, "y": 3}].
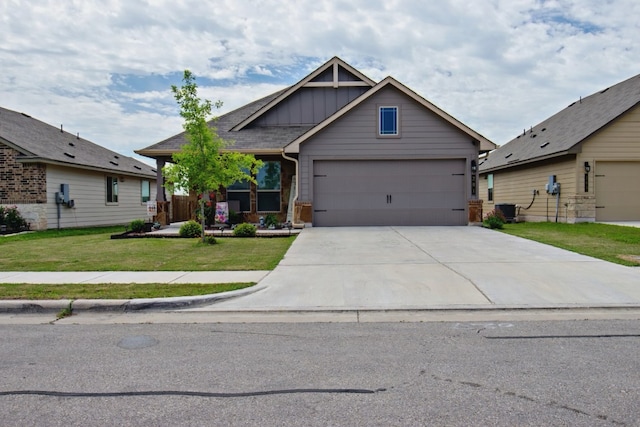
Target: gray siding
[
  {"x": 423, "y": 135},
  {"x": 88, "y": 190},
  {"x": 309, "y": 106}
]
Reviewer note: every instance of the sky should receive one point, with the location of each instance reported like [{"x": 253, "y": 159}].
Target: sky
[{"x": 104, "y": 68}]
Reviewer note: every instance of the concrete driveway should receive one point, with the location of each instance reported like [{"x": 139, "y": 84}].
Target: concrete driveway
[{"x": 432, "y": 267}]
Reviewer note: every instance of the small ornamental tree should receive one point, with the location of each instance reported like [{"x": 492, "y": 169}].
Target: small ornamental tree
[{"x": 201, "y": 165}]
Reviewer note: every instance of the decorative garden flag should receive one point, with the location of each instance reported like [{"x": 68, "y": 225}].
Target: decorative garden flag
[{"x": 222, "y": 212}]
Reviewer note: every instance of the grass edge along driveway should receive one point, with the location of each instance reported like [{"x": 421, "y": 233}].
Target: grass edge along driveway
[{"x": 613, "y": 243}]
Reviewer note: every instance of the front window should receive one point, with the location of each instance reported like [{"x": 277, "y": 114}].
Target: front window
[
  {"x": 240, "y": 191},
  {"x": 388, "y": 121},
  {"x": 268, "y": 188},
  {"x": 112, "y": 189},
  {"x": 145, "y": 191},
  {"x": 490, "y": 187}
]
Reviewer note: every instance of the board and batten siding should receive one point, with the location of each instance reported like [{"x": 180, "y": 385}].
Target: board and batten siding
[
  {"x": 309, "y": 106},
  {"x": 88, "y": 191},
  {"x": 516, "y": 185},
  {"x": 423, "y": 135}
]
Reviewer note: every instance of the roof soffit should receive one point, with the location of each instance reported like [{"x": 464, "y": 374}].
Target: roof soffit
[{"x": 333, "y": 64}]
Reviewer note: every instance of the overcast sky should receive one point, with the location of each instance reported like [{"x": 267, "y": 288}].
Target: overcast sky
[{"x": 104, "y": 68}]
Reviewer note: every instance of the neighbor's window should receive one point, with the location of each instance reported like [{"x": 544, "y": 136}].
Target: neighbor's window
[
  {"x": 490, "y": 187},
  {"x": 112, "y": 189},
  {"x": 268, "y": 187},
  {"x": 240, "y": 191},
  {"x": 388, "y": 121},
  {"x": 145, "y": 191}
]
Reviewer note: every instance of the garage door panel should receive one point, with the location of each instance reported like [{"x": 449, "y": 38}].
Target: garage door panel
[
  {"x": 617, "y": 186},
  {"x": 389, "y": 192}
]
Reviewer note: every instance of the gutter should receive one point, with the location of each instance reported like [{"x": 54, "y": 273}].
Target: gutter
[{"x": 295, "y": 197}]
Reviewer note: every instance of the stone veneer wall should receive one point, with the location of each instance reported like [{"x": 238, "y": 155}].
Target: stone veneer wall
[
  {"x": 581, "y": 209},
  {"x": 475, "y": 211},
  {"x": 21, "y": 183}
]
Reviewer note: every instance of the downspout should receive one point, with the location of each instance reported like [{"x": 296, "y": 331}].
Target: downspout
[{"x": 295, "y": 198}]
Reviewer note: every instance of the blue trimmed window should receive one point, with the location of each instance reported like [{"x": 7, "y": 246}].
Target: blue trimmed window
[{"x": 388, "y": 121}]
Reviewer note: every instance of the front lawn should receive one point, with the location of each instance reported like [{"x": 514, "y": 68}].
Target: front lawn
[
  {"x": 608, "y": 242},
  {"x": 93, "y": 250}
]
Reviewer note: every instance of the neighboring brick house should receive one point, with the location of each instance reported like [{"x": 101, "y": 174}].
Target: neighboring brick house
[
  {"x": 590, "y": 149},
  {"x": 38, "y": 160},
  {"x": 345, "y": 150}
]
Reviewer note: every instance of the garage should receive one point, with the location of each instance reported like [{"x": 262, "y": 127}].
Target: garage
[
  {"x": 617, "y": 191},
  {"x": 389, "y": 192}
]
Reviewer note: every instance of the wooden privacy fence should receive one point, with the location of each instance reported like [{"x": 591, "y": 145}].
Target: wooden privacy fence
[{"x": 182, "y": 208}]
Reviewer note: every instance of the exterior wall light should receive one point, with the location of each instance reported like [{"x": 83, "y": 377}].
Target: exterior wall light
[{"x": 587, "y": 167}]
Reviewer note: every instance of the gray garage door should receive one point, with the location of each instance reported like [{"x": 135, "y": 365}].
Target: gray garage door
[
  {"x": 389, "y": 192},
  {"x": 617, "y": 191}
]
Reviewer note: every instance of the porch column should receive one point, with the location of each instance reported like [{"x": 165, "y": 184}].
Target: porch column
[{"x": 160, "y": 196}]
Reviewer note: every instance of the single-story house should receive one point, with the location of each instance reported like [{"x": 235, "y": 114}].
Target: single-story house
[
  {"x": 340, "y": 149},
  {"x": 59, "y": 180},
  {"x": 580, "y": 165}
]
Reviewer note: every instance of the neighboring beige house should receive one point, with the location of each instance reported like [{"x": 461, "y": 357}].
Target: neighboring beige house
[
  {"x": 347, "y": 151},
  {"x": 591, "y": 149},
  {"x": 94, "y": 186}
]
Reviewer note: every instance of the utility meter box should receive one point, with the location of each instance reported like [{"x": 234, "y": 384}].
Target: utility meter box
[{"x": 64, "y": 189}]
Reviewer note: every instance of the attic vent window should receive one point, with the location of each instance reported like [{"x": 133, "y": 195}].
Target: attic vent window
[
  {"x": 137, "y": 167},
  {"x": 545, "y": 144},
  {"x": 70, "y": 155},
  {"x": 508, "y": 155},
  {"x": 113, "y": 163}
]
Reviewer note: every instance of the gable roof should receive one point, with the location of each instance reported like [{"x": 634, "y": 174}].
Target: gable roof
[
  {"x": 251, "y": 140},
  {"x": 238, "y": 125},
  {"x": 485, "y": 144},
  {"x": 38, "y": 142},
  {"x": 564, "y": 132},
  {"x": 335, "y": 63}
]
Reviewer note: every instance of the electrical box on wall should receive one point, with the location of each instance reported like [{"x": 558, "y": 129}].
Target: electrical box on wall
[
  {"x": 552, "y": 186},
  {"x": 59, "y": 198},
  {"x": 64, "y": 189}
]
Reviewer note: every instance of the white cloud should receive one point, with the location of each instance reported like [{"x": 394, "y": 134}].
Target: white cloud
[{"x": 499, "y": 66}]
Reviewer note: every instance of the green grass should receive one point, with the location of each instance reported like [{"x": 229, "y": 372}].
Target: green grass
[
  {"x": 608, "y": 242},
  {"x": 93, "y": 250},
  {"x": 112, "y": 290}
]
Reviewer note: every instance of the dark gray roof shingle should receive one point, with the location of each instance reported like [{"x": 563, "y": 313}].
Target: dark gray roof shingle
[
  {"x": 562, "y": 132},
  {"x": 258, "y": 138},
  {"x": 42, "y": 142}
]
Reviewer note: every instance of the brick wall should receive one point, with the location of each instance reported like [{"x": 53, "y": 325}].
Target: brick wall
[{"x": 19, "y": 182}]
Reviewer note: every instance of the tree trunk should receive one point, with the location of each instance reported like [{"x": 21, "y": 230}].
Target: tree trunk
[{"x": 202, "y": 218}]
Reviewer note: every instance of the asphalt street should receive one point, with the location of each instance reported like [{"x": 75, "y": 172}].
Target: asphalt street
[{"x": 449, "y": 373}]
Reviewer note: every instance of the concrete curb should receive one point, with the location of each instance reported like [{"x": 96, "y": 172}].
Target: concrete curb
[{"x": 121, "y": 305}]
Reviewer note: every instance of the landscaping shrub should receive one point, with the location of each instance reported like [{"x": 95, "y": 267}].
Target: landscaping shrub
[
  {"x": 495, "y": 219},
  {"x": 190, "y": 229},
  {"x": 137, "y": 225},
  {"x": 271, "y": 220},
  {"x": 210, "y": 240},
  {"x": 245, "y": 230},
  {"x": 11, "y": 218}
]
